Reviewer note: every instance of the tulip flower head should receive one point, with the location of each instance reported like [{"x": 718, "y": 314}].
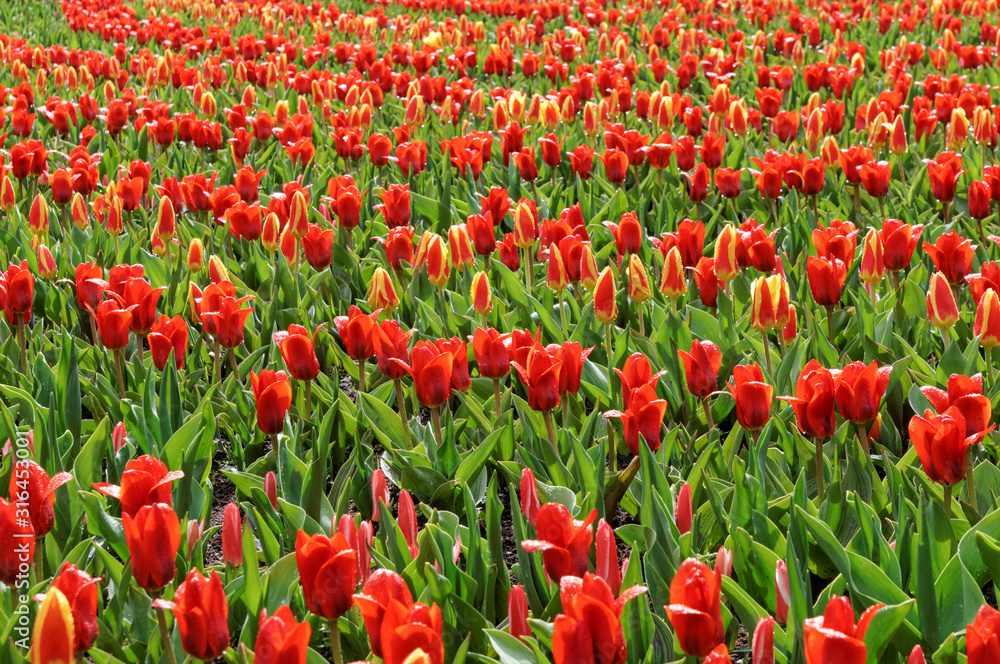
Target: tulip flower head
[
  {"x": 835, "y": 634},
  {"x": 695, "y": 608},
  {"x": 201, "y": 611},
  {"x": 564, "y": 542}
]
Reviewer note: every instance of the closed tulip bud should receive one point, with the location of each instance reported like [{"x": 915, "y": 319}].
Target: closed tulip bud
[
  {"x": 524, "y": 225},
  {"x": 726, "y": 264},
  {"x": 695, "y": 608},
  {"x": 830, "y": 152},
  {"x": 298, "y": 215},
  {"x": 557, "y": 274},
  {"x": 723, "y": 562},
  {"x": 217, "y": 271},
  {"x": 958, "y": 130},
  {"x": 482, "y": 294},
  {"x": 605, "y": 297},
  {"x": 113, "y": 220},
  {"x": 270, "y": 236},
  {"x": 7, "y": 199},
  {"x": 639, "y": 288},
  {"x": 201, "y": 611},
  {"x": 166, "y": 226},
  {"x": 232, "y": 536},
  {"x": 271, "y": 488},
  {"x": 38, "y": 216},
  {"x": 153, "y": 536},
  {"x": 118, "y": 435},
  {"x": 979, "y": 200},
  {"x": 683, "y": 512},
  {"x": 738, "y": 118},
  {"x": 916, "y": 656},
  {"x": 46, "y": 264},
  {"x": 783, "y": 593},
  {"x": 897, "y": 136},
  {"x": 872, "y": 262},
  {"x": 196, "y": 255},
  {"x": 588, "y": 267},
  {"x": 381, "y": 292},
  {"x": 673, "y": 283},
  {"x": 52, "y": 641},
  {"x": 766, "y": 295},
  {"x": 78, "y": 209},
  {"x": 438, "y": 267},
  {"x": 790, "y": 330},
  {"x": 942, "y": 310},
  {"x": 517, "y": 613},
  {"x": 460, "y": 247},
  {"x": 763, "y": 641},
  {"x": 987, "y": 325}
]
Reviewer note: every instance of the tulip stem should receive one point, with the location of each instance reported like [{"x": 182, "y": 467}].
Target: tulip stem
[
  {"x": 232, "y": 363},
  {"x": 496, "y": 397},
  {"x": 307, "y": 398},
  {"x": 708, "y": 414},
  {"x": 551, "y": 430},
  {"x": 863, "y": 439},
  {"x": 565, "y": 410},
  {"x": 361, "y": 376},
  {"x": 529, "y": 268},
  {"x": 829, "y": 324},
  {"x": 562, "y": 314},
  {"x": 22, "y": 346},
  {"x": 642, "y": 323},
  {"x": 989, "y": 366},
  {"x": 118, "y": 370},
  {"x": 947, "y": 500},
  {"x": 767, "y": 352},
  {"x": 857, "y": 202},
  {"x": 401, "y": 404},
  {"x": 436, "y": 421},
  {"x": 168, "y": 647},
  {"x": 216, "y": 368},
  {"x": 970, "y": 481},
  {"x": 338, "y": 656},
  {"x": 820, "y": 478},
  {"x": 946, "y": 336},
  {"x": 815, "y": 207}
]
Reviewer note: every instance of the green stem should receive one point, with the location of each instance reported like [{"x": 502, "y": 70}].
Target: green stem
[
  {"x": 947, "y": 500},
  {"x": 642, "y": 323},
  {"x": 551, "y": 430},
  {"x": 233, "y": 366},
  {"x": 970, "y": 480},
  {"x": 989, "y": 367},
  {"x": 338, "y": 656},
  {"x": 401, "y": 404},
  {"x": 767, "y": 352},
  {"x": 168, "y": 647},
  {"x": 529, "y": 268},
  {"x": 217, "y": 353},
  {"x": 23, "y": 347},
  {"x": 436, "y": 421},
  {"x": 820, "y": 478},
  {"x": 708, "y": 414},
  {"x": 118, "y": 371},
  {"x": 361, "y": 376},
  {"x": 562, "y": 314},
  {"x": 863, "y": 439},
  {"x": 307, "y": 397},
  {"x": 829, "y": 324},
  {"x": 496, "y": 397}
]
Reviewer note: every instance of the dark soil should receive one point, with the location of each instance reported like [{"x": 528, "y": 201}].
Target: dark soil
[
  {"x": 743, "y": 642},
  {"x": 223, "y": 493},
  {"x": 507, "y": 533}
]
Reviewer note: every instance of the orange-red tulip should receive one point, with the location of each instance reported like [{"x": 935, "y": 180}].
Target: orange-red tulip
[
  {"x": 153, "y": 536},
  {"x": 942, "y": 309},
  {"x": 327, "y": 573},
  {"x": 272, "y": 392},
  {"x": 145, "y": 481},
  {"x": 566, "y": 542},
  {"x": 701, "y": 367},
  {"x": 695, "y": 608},
  {"x": 814, "y": 400},
  {"x": 201, "y": 611}
]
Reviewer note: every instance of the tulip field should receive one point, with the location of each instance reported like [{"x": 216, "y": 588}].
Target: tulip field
[{"x": 499, "y": 332}]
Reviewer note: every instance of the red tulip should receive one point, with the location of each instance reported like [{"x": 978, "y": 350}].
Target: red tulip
[
  {"x": 52, "y": 640},
  {"x": 834, "y": 635},
  {"x": 644, "y": 415},
  {"x": 979, "y": 199},
  {"x": 572, "y": 356},
  {"x": 490, "y": 350},
  {"x": 826, "y": 279},
  {"x": 859, "y": 389},
  {"x": 232, "y": 536},
  {"x": 113, "y": 321},
  {"x": 966, "y": 395},
  {"x": 31, "y": 487},
  {"x": 395, "y": 207},
  {"x": 431, "y": 369},
  {"x": 942, "y": 308},
  {"x": 380, "y": 494},
  {"x": 168, "y": 334},
  {"x": 356, "y": 331},
  {"x": 607, "y": 557},
  {"x": 634, "y": 374},
  {"x": 327, "y": 573},
  {"x": 701, "y": 366},
  {"x": 762, "y": 646},
  {"x": 589, "y": 629},
  {"x": 382, "y": 588},
  {"x": 80, "y": 591},
  {"x": 838, "y": 241},
  {"x": 529, "y": 496},
  {"x": 409, "y": 629},
  {"x": 272, "y": 392},
  {"x": 271, "y": 489},
  {"x": 563, "y": 541},
  {"x": 605, "y": 297},
  {"x": 708, "y": 282},
  {"x": 941, "y": 442},
  {"x": 875, "y": 176},
  {"x": 943, "y": 172},
  {"x": 297, "y": 348},
  {"x": 752, "y": 396},
  {"x": 153, "y": 536},
  {"x": 694, "y": 610},
  {"x": 952, "y": 256},
  {"x": 517, "y": 613},
  {"x": 145, "y": 481},
  {"x": 615, "y": 165},
  {"x": 20, "y": 292},
  {"x": 541, "y": 375},
  {"x": 727, "y": 181},
  {"x": 982, "y": 638},
  {"x": 814, "y": 400},
  {"x": 201, "y": 611},
  {"x": 281, "y": 639}
]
